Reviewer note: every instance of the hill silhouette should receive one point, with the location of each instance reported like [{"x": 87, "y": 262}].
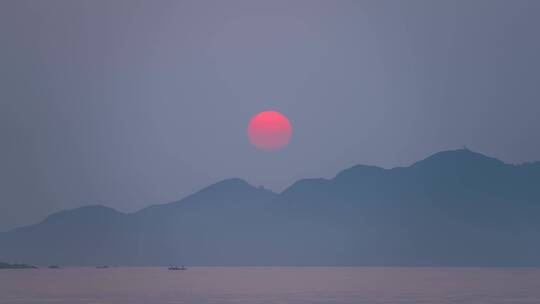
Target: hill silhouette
[
  {"x": 15, "y": 266},
  {"x": 455, "y": 208}
]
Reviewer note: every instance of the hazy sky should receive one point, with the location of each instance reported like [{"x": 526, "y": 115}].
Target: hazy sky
[{"x": 132, "y": 103}]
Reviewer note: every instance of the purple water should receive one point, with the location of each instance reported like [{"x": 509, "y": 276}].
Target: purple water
[{"x": 271, "y": 285}]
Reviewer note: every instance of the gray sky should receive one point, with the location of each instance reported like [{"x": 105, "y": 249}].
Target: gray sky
[{"x": 131, "y": 103}]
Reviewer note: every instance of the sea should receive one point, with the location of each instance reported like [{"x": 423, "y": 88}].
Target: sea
[{"x": 370, "y": 285}]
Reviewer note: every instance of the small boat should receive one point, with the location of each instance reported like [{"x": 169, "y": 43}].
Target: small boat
[
  {"x": 171, "y": 267},
  {"x": 54, "y": 267},
  {"x": 102, "y": 267}
]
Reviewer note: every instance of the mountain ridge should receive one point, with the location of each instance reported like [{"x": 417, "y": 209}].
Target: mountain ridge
[
  {"x": 341, "y": 174},
  {"x": 452, "y": 208}
]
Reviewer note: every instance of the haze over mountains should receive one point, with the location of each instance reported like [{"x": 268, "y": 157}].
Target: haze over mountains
[{"x": 453, "y": 208}]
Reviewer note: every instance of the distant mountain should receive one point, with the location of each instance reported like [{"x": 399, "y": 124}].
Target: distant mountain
[
  {"x": 16, "y": 266},
  {"x": 453, "y": 208}
]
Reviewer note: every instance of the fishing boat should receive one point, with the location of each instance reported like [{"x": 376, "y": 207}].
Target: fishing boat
[{"x": 171, "y": 267}]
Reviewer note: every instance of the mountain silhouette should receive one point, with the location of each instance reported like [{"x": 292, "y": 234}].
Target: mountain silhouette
[{"x": 454, "y": 208}]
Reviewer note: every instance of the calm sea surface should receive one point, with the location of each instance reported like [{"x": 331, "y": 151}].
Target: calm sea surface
[{"x": 271, "y": 285}]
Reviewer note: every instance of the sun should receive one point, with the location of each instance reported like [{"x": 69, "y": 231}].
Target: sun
[{"x": 269, "y": 130}]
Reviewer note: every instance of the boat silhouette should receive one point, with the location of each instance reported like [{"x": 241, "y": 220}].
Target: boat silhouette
[{"x": 171, "y": 267}]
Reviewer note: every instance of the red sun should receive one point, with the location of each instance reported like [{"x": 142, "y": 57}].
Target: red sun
[{"x": 269, "y": 130}]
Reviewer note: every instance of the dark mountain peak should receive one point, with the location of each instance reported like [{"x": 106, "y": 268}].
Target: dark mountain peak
[
  {"x": 460, "y": 157},
  {"x": 358, "y": 172},
  {"x": 229, "y": 187},
  {"x": 223, "y": 192},
  {"x": 86, "y": 211},
  {"x": 230, "y": 184},
  {"x": 81, "y": 215}
]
